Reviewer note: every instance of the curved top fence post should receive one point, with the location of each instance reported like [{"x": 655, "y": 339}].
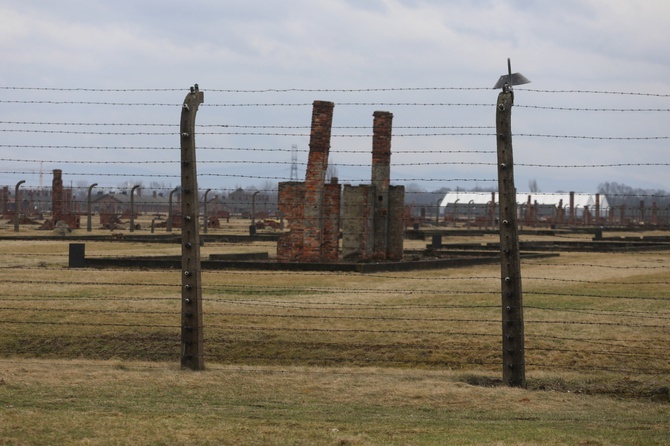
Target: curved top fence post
[{"x": 192, "y": 356}]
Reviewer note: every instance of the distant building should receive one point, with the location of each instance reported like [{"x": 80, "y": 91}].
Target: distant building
[
  {"x": 239, "y": 201},
  {"x": 568, "y": 208},
  {"x": 119, "y": 203}
]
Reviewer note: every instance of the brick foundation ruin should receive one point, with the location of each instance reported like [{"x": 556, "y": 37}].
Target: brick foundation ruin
[{"x": 372, "y": 219}]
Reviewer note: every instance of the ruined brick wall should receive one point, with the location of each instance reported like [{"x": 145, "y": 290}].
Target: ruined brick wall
[
  {"x": 357, "y": 218},
  {"x": 331, "y": 221},
  {"x": 396, "y": 223},
  {"x": 291, "y": 206}
]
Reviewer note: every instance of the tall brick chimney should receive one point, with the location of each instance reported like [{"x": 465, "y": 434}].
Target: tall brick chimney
[
  {"x": 382, "y": 129},
  {"x": 315, "y": 178}
]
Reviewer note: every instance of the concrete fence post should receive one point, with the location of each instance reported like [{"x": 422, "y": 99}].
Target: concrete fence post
[
  {"x": 132, "y": 207},
  {"x": 168, "y": 223},
  {"x": 192, "y": 353},
  {"x": 89, "y": 225},
  {"x": 205, "y": 224},
  {"x": 252, "y": 227},
  {"x": 513, "y": 353},
  {"x": 17, "y": 205}
]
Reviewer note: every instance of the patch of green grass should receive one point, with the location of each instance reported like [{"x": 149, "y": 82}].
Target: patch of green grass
[{"x": 139, "y": 404}]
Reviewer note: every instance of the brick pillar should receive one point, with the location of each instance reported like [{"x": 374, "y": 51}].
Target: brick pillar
[
  {"x": 57, "y": 196},
  {"x": 291, "y": 206},
  {"x": 597, "y": 210},
  {"x": 381, "y": 173},
  {"x": 572, "y": 208},
  {"x": 317, "y": 163}
]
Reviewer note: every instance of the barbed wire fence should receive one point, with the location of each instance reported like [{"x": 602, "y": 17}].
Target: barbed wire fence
[{"x": 600, "y": 315}]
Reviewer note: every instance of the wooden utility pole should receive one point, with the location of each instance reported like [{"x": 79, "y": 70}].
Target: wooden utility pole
[
  {"x": 192, "y": 355},
  {"x": 514, "y": 373}
]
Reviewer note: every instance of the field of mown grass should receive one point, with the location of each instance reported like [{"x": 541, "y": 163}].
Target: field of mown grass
[{"x": 92, "y": 356}]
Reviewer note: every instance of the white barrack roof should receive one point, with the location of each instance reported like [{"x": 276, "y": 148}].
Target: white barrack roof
[{"x": 551, "y": 199}]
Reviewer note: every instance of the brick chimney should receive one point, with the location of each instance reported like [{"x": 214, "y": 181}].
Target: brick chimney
[
  {"x": 315, "y": 177},
  {"x": 382, "y": 129}
]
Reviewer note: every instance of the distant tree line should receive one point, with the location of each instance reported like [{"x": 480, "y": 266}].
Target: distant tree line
[{"x": 623, "y": 195}]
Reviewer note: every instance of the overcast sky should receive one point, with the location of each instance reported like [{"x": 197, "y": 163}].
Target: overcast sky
[{"x": 415, "y": 51}]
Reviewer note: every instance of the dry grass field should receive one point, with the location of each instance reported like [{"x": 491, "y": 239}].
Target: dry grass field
[{"x": 92, "y": 356}]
